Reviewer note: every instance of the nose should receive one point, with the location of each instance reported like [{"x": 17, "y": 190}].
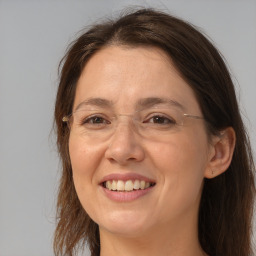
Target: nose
[{"x": 125, "y": 146}]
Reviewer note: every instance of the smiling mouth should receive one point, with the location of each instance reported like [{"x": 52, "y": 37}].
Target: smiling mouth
[{"x": 127, "y": 186}]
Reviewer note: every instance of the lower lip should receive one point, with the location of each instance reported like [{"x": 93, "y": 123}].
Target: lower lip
[{"x": 126, "y": 196}]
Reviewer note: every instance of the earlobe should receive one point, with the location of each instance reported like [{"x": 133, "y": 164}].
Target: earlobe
[{"x": 221, "y": 153}]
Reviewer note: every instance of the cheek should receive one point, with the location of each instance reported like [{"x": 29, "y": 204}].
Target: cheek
[
  {"x": 182, "y": 155},
  {"x": 181, "y": 166},
  {"x": 84, "y": 161},
  {"x": 84, "y": 158}
]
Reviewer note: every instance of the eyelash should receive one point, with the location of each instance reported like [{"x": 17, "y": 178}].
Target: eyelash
[
  {"x": 91, "y": 119},
  {"x": 161, "y": 116},
  {"x": 88, "y": 120}
]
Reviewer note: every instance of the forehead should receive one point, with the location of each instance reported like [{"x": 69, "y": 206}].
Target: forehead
[
  {"x": 113, "y": 61},
  {"x": 125, "y": 75}
]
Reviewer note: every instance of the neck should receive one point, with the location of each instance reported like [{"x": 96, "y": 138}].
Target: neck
[{"x": 163, "y": 240}]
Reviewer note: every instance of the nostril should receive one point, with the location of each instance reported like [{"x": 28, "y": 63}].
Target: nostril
[{"x": 124, "y": 149}]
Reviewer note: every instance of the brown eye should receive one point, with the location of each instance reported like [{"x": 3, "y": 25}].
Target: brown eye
[
  {"x": 157, "y": 119},
  {"x": 95, "y": 120}
]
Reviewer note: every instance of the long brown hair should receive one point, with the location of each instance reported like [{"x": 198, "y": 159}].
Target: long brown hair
[{"x": 226, "y": 209}]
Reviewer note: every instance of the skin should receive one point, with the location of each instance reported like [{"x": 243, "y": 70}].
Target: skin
[{"x": 164, "y": 221}]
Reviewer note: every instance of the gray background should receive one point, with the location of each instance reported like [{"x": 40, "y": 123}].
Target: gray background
[{"x": 33, "y": 38}]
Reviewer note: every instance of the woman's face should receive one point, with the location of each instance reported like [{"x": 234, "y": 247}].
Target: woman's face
[{"x": 113, "y": 158}]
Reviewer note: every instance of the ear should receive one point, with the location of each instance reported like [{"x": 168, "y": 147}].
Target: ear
[{"x": 220, "y": 153}]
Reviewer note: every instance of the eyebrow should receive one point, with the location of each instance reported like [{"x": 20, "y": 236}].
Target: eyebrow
[
  {"x": 152, "y": 101},
  {"x": 99, "y": 102},
  {"x": 142, "y": 103}
]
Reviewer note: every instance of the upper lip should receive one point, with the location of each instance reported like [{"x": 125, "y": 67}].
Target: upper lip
[{"x": 125, "y": 177}]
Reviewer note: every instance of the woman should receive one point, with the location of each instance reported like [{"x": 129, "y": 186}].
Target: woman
[{"x": 156, "y": 160}]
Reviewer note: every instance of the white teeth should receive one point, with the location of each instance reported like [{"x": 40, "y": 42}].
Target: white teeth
[
  {"x": 114, "y": 185},
  {"x": 142, "y": 184},
  {"x": 120, "y": 185},
  {"x": 136, "y": 184},
  {"x": 128, "y": 185},
  {"x": 108, "y": 185}
]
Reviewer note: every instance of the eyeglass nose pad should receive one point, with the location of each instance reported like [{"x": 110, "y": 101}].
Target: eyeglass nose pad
[
  {"x": 132, "y": 121},
  {"x": 124, "y": 144}
]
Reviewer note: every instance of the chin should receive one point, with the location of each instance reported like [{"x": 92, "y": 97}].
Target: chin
[{"x": 124, "y": 223}]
